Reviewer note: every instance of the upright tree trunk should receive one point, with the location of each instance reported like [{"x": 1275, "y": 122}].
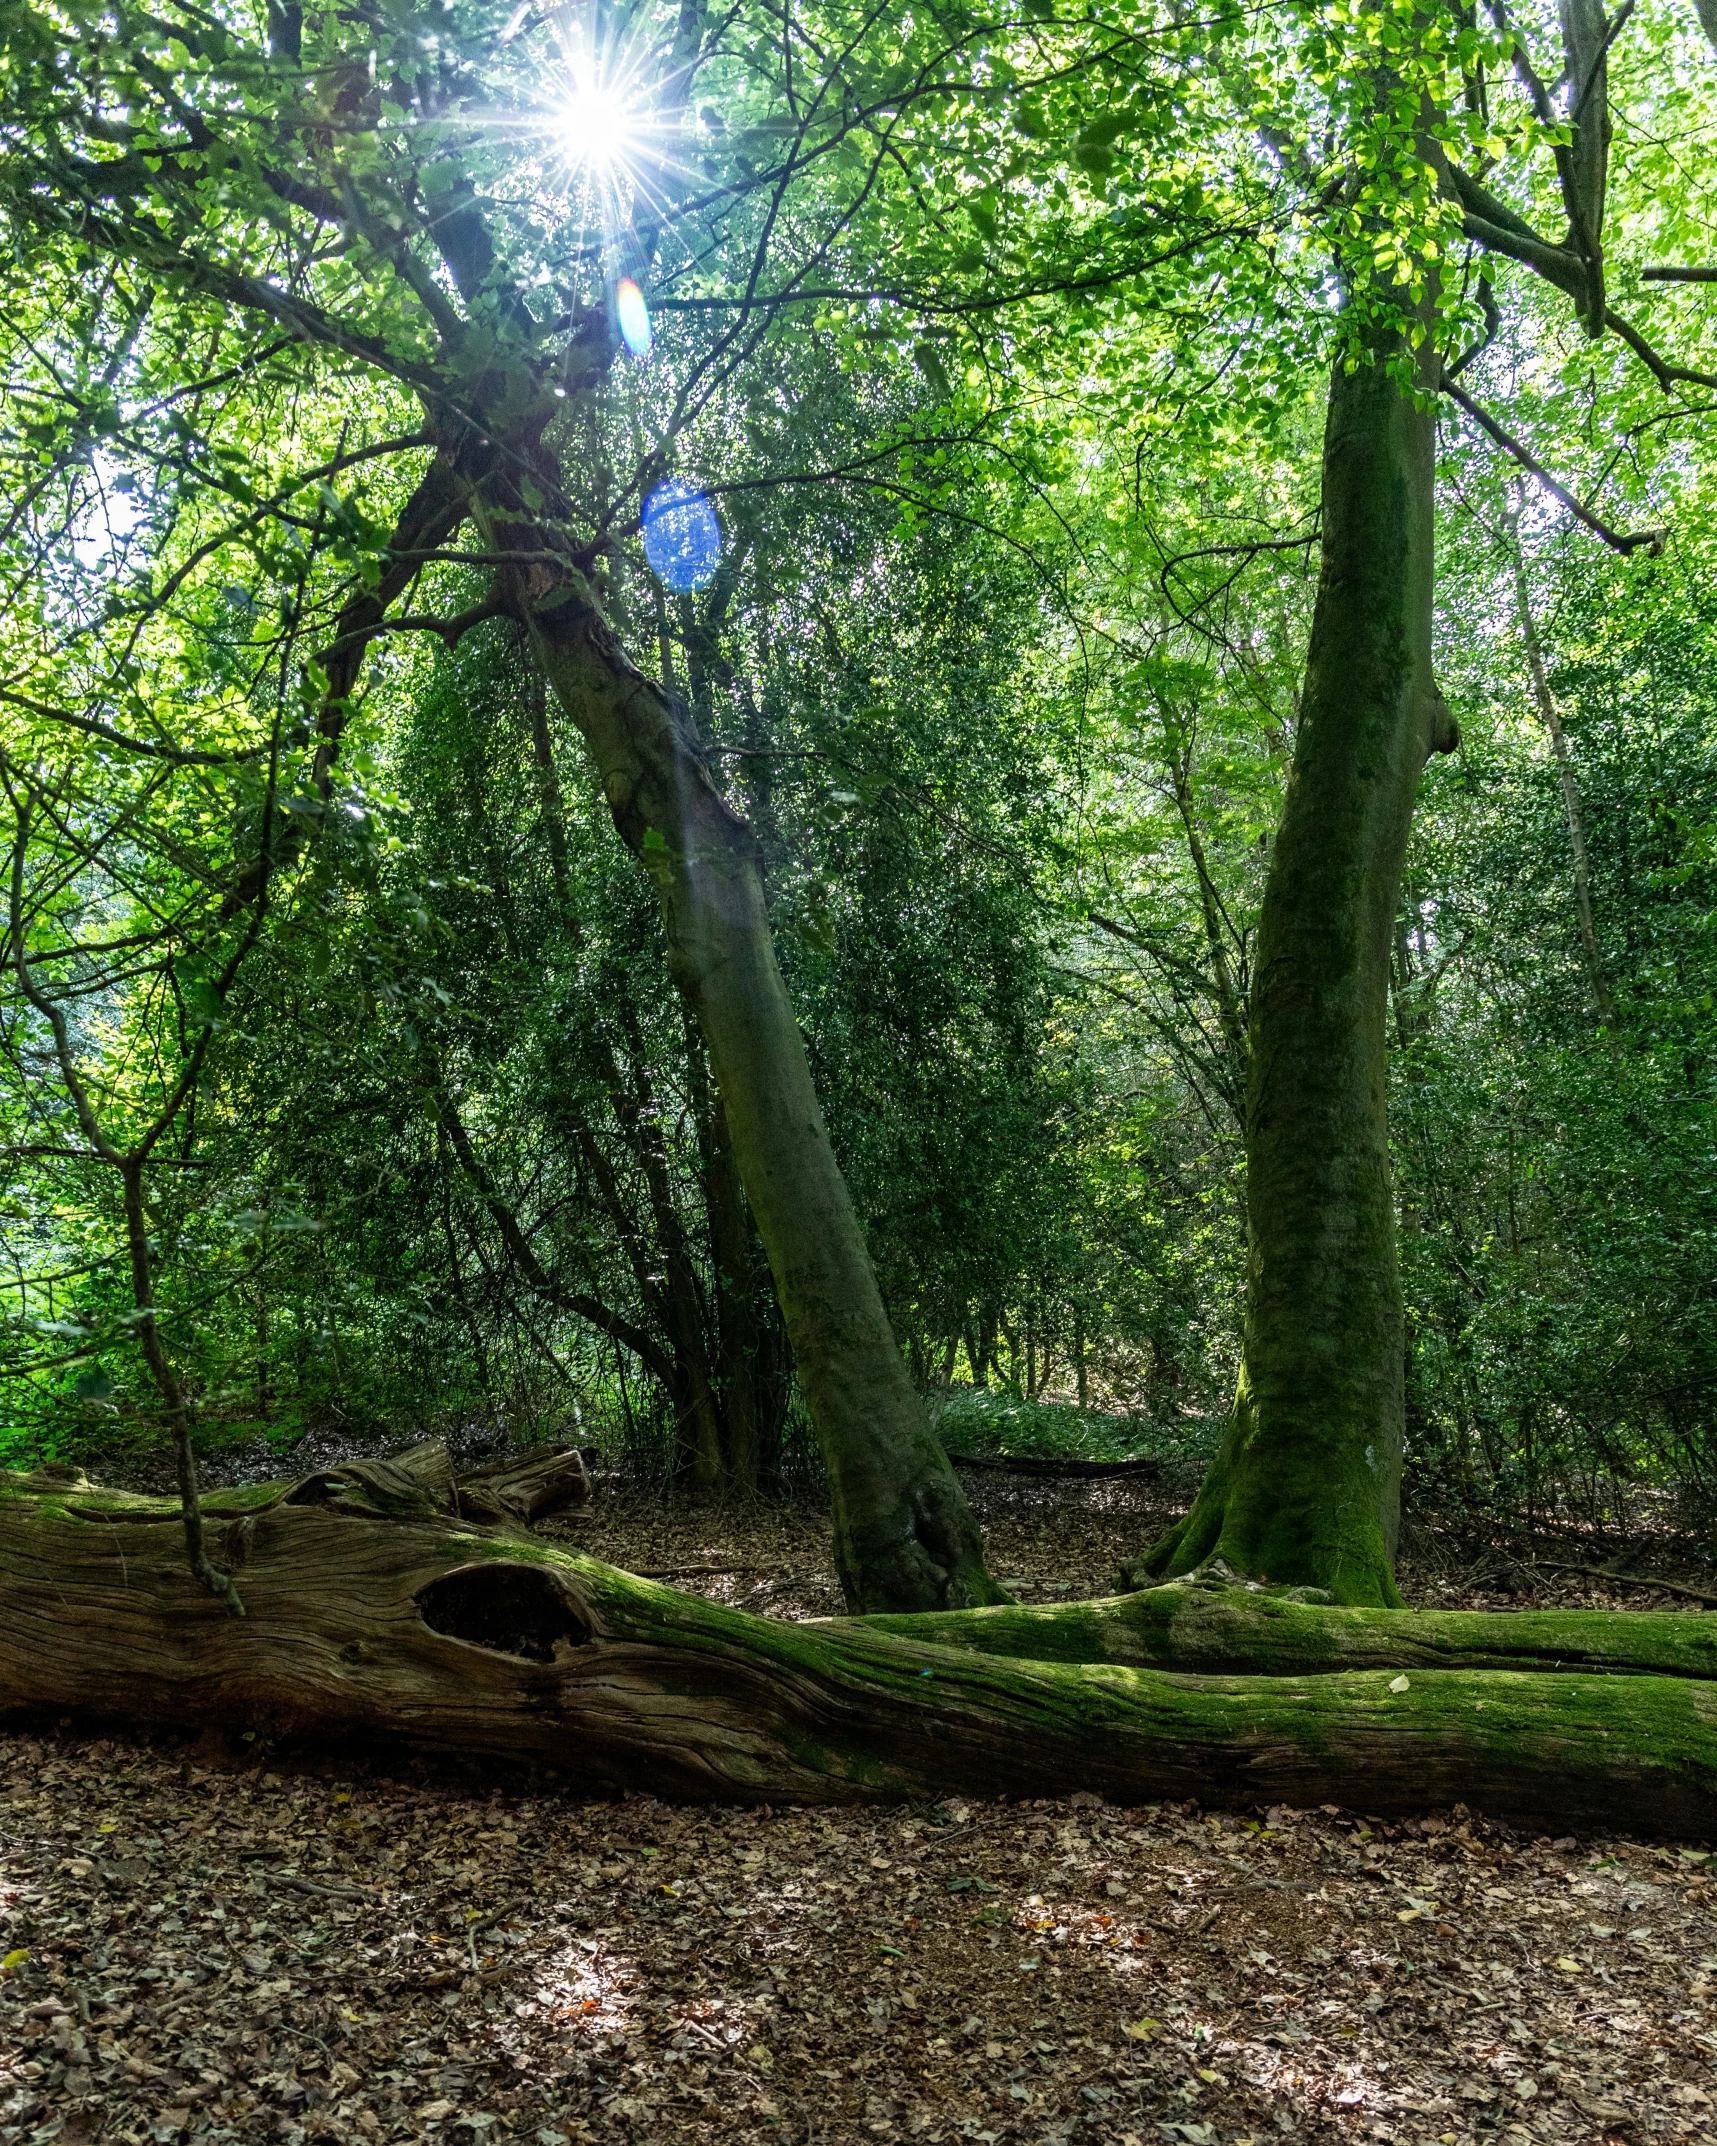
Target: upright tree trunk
[
  {"x": 174, "y": 1400},
  {"x": 739, "y": 1337},
  {"x": 1306, "y": 1487},
  {"x": 1230, "y": 1001}
]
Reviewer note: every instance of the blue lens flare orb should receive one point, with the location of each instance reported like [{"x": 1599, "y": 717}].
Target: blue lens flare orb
[
  {"x": 682, "y": 538},
  {"x": 634, "y": 317}
]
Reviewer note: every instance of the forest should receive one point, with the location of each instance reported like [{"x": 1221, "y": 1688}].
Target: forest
[{"x": 899, "y": 788}]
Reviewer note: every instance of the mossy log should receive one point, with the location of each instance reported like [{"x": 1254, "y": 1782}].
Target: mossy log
[
  {"x": 453, "y": 1636},
  {"x": 1238, "y": 1631}
]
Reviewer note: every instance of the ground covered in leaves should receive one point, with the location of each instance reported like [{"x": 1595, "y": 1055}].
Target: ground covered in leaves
[{"x": 237, "y": 1945}]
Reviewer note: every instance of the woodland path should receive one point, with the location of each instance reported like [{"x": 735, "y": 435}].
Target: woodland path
[{"x": 239, "y": 1946}]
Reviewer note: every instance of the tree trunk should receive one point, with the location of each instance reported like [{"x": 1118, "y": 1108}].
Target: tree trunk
[
  {"x": 904, "y": 1537},
  {"x": 373, "y": 1615},
  {"x": 1306, "y": 1487},
  {"x": 1230, "y": 1001},
  {"x": 752, "y": 1442}
]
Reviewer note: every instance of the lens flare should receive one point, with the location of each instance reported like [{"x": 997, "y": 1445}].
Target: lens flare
[
  {"x": 634, "y": 316},
  {"x": 597, "y": 127},
  {"x": 682, "y": 538}
]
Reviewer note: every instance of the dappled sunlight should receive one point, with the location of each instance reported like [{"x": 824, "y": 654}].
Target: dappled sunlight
[{"x": 585, "y": 1987}]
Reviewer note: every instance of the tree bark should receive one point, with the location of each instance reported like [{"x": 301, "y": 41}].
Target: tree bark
[
  {"x": 525, "y": 1487},
  {"x": 372, "y": 1615},
  {"x": 1306, "y": 1487},
  {"x": 1230, "y": 1631}
]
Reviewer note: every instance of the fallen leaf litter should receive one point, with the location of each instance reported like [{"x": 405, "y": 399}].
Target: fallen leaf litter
[{"x": 258, "y": 1949}]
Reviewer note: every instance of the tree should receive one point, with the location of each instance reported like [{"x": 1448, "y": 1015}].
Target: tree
[
  {"x": 1306, "y": 1488},
  {"x": 136, "y": 894},
  {"x": 425, "y": 293}
]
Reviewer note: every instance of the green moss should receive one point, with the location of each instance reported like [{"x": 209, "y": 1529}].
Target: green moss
[
  {"x": 1240, "y": 1631},
  {"x": 243, "y": 1498}
]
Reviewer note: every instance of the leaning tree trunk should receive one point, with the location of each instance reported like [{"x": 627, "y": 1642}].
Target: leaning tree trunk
[
  {"x": 372, "y": 1615},
  {"x": 904, "y": 1536},
  {"x": 1305, "y": 1489}
]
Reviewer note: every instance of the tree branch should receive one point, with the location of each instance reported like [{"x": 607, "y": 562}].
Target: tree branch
[
  {"x": 175, "y": 755},
  {"x": 1649, "y": 540}
]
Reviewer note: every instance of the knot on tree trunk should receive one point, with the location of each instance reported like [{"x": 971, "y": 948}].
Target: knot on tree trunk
[{"x": 1442, "y": 732}]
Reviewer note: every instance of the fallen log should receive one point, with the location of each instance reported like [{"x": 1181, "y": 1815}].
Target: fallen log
[
  {"x": 455, "y": 1636},
  {"x": 1239, "y": 1631},
  {"x": 521, "y": 1487},
  {"x": 527, "y": 1487}
]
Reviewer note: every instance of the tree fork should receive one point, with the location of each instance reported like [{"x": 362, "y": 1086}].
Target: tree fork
[{"x": 416, "y": 1628}]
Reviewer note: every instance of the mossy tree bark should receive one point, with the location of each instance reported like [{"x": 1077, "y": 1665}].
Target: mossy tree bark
[
  {"x": 372, "y": 1614},
  {"x": 1305, "y": 1489},
  {"x": 1218, "y": 1631}
]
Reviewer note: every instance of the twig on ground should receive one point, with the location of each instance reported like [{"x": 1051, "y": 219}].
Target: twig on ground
[
  {"x": 1628, "y": 1579},
  {"x": 328, "y": 1892},
  {"x": 963, "y": 1832},
  {"x": 304, "y": 2033}
]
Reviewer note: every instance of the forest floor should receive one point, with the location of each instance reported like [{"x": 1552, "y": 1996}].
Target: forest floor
[{"x": 235, "y": 1946}]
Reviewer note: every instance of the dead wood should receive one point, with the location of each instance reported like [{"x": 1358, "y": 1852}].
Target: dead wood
[{"x": 368, "y": 1617}]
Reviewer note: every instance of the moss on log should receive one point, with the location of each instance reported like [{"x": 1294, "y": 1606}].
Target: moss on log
[
  {"x": 458, "y": 1637},
  {"x": 1243, "y": 1631}
]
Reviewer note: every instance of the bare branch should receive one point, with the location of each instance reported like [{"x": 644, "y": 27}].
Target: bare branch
[{"x": 1648, "y": 540}]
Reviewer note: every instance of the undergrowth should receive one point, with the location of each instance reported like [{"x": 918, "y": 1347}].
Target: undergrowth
[{"x": 985, "y": 1423}]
